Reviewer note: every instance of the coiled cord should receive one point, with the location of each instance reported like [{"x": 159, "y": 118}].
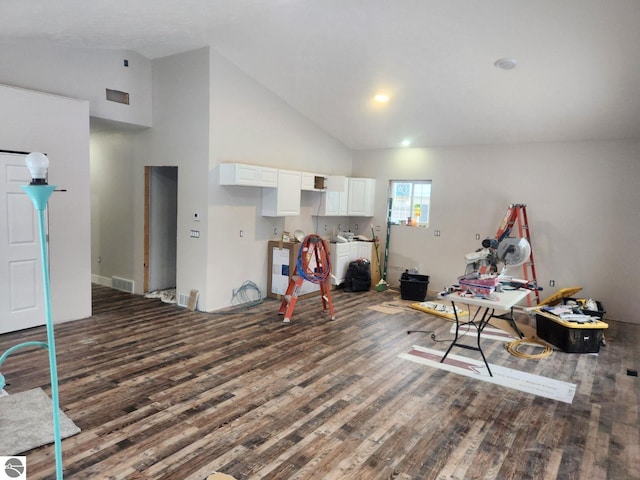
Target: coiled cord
[
  {"x": 313, "y": 260},
  {"x": 513, "y": 348}
]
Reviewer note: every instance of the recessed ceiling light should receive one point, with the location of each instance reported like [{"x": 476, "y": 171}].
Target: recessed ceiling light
[
  {"x": 406, "y": 143},
  {"x": 381, "y": 98},
  {"x": 505, "y": 63}
]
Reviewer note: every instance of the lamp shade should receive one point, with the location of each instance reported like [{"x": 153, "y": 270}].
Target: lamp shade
[{"x": 38, "y": 165}]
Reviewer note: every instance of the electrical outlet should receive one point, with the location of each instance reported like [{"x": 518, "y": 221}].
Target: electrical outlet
[
  {"x": 275, "y": 231},
  {"x": 377, "y": 228},
  {"x": 477, "y": 236},
  {"x": 552, "y": 283},
  {"x": 242, "y": 233},
  {"x": 436, "y": 233},
  {"x": 355, "y": 227},
  {"x": 326, "y": 227}
]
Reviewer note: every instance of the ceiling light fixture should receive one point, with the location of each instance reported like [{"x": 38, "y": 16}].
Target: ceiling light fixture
[
  {"x": 505, "y": 63},
  {"x": 381, "y": 98},
  {"x": 406, "y": 143}
]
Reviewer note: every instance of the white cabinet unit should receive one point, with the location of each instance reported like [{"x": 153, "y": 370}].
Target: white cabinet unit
[
  {"x": 342, "y": 254},
  {"x": 313, "y": 182},
  {"x": 334, "y": 204},
  {"x": 284, "y": 200},
  {"x": 361, "y": 197},
  {"x": 248, "y": 175}
]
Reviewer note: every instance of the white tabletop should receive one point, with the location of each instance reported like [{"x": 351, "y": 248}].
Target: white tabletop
[{"x": 501, "y": 301}]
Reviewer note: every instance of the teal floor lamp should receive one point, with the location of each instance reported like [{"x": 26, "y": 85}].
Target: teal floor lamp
[{"x": 39, "y": 192}]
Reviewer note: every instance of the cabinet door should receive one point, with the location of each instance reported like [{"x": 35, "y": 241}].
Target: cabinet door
[
  {"x": 313, "y": 182},
  {"x": 334, "y": 204},
  {"x": 340, "y": 257},
  {"x": 361, "y": 197},
  {"x": 362, "y": 250},
  {"x": 268, "y": 177},
  {"x": 247, "y": 175},
  {"x": 238, "y": 174},
  {"x": 284, "y": 200}
]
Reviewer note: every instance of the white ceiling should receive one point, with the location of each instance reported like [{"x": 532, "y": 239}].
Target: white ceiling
[{"x": 578, "y": 73}]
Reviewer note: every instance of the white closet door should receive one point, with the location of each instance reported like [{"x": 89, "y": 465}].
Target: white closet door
[{"x": 21, "y": 291}]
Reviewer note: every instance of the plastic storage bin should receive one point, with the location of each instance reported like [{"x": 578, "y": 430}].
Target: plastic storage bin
[
  {"x": 413, "y": 286},
  {"x": 570, "y": 336}
]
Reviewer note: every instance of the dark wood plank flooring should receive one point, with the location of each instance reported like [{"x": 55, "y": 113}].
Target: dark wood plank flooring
[{"x": 164, "y": 393}]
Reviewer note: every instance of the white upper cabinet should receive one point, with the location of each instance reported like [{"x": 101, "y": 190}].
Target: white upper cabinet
[
  {"x": 281, "y": 190},
  {"x": 313, "y": 182},
  {"x": 248, "y": 175},
  {"x": 361, "y": 197},
  {"x": 284, "y": 200},
  {"x": 334, "y": 203}
]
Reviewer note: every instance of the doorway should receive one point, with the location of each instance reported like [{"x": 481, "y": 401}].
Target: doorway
[{"x": 160, "y": 228}]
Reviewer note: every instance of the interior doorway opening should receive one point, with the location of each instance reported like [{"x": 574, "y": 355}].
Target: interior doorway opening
[{"x": 160, "y": 228}]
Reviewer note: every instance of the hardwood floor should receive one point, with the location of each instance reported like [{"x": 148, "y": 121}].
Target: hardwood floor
[{"x": 164, "y": 393}]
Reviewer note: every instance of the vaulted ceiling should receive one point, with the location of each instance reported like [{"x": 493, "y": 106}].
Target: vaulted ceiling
[{"x": 577, "y": 73}]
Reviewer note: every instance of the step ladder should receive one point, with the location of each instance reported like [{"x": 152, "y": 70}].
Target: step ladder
[
  {"x": 290, "y": 298},
  {"x": 517, "y": 213}
]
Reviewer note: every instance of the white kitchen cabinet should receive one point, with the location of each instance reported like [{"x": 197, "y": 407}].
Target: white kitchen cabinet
[
  {"x": 342, "y": 254},
  {"x": 361, "y": 198},
  {"x": 248, "y": 175},
  {"x": 284, "y": 200},
  {"x": 334, "y": 204},
  {"x": 313, "y": 182},
  {"x": 361, "y": 250}
]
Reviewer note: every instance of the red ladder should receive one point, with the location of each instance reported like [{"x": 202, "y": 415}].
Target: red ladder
[
  {"x": 517, "y": 212},
  {"x": 295, "y": 282}
]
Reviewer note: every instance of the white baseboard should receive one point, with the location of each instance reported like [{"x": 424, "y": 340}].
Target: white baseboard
[{"x": 100, "y": 280}]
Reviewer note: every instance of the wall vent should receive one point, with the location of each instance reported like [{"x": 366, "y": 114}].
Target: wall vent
[
  {"x": 183, "y": 299},
  {"x": 123, "y": 284},
  {"x": 117, "y": 96}
]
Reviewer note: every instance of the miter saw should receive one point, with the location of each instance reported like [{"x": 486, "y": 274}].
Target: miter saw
[{"x": 510, "y": 251}]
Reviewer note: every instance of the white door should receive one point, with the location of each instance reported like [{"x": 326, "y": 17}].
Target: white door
[{"x": 21, "y": 292}]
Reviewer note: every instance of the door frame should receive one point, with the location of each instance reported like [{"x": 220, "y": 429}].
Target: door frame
[
  {"x": 157, "y": 273},
  {"x": 147, "y": 209}
]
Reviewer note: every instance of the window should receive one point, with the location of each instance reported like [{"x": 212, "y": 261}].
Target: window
[{"x": 410, "y": 202}]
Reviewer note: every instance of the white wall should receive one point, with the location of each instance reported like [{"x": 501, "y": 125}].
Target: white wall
[
  {"x": 582, "y": 203},
  {"x": 112, "y": 197},
  {"x": 32, "y": 121},
  {"x": 179, "y": 137},
  {"x": 84, "y": 74},
  {"x": 249, "y": 124}
]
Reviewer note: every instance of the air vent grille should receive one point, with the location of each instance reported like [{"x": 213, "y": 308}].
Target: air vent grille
[
  {"x": 117, "y": 96},
  {"x": 123, "y": 284}
]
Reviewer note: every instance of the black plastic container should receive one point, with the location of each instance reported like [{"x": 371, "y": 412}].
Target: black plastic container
[
  {"x": 570, "y": 338},
  {"x": 413, "y": 286}
]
